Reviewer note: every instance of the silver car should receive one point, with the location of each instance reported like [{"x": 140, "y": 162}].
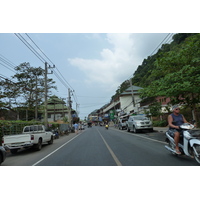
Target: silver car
[
  {"x": 2, "y": 154},
  {"x": 138, "y": 123}
]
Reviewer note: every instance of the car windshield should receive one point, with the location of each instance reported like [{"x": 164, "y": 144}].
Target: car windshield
[{"x": 140, "y": 118}]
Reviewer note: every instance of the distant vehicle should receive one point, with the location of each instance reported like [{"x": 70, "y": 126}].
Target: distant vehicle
[
  {"x": 2, "y": 154},
  {"x": 138, "y": 123},
  {"x": 32, "y": 136},
  {"x": 89, "y": 124}
]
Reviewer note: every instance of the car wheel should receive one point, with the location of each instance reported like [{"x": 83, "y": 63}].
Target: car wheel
[
  {"x": 39, "y": 145},
  {"x": 134, "y": 129},
  {"x": 51, "y": 141},
  {"x": 1, "y": 158}
]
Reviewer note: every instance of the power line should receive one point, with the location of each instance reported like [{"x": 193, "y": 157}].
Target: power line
[
  {"x": 61, "y": 79},
  {"x": 30, "y": 47},
  {"x": 6, "y": 78},
  {"x": 69, "y": 86},
  {"x": 45, "y": 60},
  {"x": 7, "y": 63},
  {"x": 168, "y": 35},
  {"x": 39, "y": 48},
  {"x": 51, "y": 62},
  {"x": 5, "y": 60},
  {"x": 166, "y": 40},
  {"x": 7, "y": 67}
]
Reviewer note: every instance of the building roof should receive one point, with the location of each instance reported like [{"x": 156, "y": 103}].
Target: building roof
[
  {"x": 55, "y": 103},
  {"x": 128, "y": 91}
]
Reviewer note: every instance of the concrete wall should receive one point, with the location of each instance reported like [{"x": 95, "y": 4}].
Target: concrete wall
[{"x": 127, "y": 105}]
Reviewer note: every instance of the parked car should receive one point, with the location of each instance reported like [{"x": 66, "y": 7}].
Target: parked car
[
  {"x": 122, "y": 123},
  {"x": 2, "y": 154},
  {"x": 138, "y": 123}
]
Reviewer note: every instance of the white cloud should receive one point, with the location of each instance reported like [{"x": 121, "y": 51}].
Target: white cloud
[{"x": 115, "y": 66}]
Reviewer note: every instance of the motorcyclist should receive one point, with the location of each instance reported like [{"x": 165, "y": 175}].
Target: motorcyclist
[{"x": 174, "y": 121}]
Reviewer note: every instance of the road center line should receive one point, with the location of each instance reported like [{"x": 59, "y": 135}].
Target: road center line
[
  {"x": 55, "y": 150},
  {"x": 110, "y": 150}
]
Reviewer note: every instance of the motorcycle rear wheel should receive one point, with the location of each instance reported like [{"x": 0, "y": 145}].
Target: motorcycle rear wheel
[
  {"x": 197, "y": 148},
  {"x": 172, "y": 147}
]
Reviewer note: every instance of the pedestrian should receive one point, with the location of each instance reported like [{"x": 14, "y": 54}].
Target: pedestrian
[{"x": 76, "y": 126}]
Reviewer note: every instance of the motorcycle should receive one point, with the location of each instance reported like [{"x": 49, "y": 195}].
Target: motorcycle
[{"x": 189, "y": 143}]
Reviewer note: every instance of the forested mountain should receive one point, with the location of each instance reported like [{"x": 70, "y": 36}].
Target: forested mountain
[
  {"x": 143, "y": 75},
  {"x": 174, "y": 72}
]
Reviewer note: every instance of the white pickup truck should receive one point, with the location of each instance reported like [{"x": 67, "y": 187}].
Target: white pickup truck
[{"x": 32, "y": 136}]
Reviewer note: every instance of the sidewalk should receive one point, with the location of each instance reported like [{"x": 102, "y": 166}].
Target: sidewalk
[{"x": 161, "y": 129}]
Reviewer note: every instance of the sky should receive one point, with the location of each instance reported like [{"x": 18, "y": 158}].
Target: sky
[
  {"x": 95, "y": 45},
  {"x": 93, "y": 64}
]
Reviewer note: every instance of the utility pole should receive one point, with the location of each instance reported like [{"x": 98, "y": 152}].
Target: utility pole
[
  {"x": 45, "y": 96},
  {"x": 133, "y": 100},
  {"x": 36, "y": 99},
  {"x": 77, "y": 107},
  {"x": 69, "y": 107},
  {"x": 45, "y": 93}
]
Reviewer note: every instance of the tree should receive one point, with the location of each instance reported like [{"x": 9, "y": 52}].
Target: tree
[
  {"x": 180, "y": 68},
  {"x": 28, "y": 89},
  {"x": 155, "y": 109}
]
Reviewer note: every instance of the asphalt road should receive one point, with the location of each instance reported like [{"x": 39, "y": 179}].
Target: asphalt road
[{"x": 97, "y": 146}]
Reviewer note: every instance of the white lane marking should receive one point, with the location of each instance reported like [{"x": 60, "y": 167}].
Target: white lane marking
[
  {"x": 55, "y": 150},
  {"x": 110, "y": 150},
  {"x": 142, "y": 137}
]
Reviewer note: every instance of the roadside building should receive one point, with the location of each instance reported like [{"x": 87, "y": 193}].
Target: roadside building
[{"x": 57, "y": 111}]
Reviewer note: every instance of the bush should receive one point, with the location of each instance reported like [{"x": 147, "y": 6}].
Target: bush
[{"x": 161, "y": 123}]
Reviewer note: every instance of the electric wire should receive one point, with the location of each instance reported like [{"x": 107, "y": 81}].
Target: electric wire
[
  {"x": 50, "y": 61},
  {"x": 39, "y": 48},
  {"x": 167, "y": 38},
  {"x": 160, "y": 44},
  {"x": 6, "y": 61},
  {"x": 30, "y": 47},
  {"x": 7, "y": 67},
  {"x": 62, "y": 80},
  {"x": 56, "y": 74},
  {"x": 6, "y": 78}
]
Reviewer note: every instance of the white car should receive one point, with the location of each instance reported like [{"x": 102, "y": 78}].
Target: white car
[{"x": 138, "y": 123}]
